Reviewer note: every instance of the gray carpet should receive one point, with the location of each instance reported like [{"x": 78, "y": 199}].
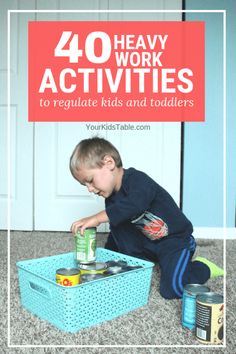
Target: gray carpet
[{"x": 158, "y": 323}]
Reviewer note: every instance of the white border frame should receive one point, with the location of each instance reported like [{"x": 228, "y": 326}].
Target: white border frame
[{"x": 9, "y": 174}]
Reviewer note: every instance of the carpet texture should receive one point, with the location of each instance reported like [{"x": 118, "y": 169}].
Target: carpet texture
[{"x": 156, "y": 324}]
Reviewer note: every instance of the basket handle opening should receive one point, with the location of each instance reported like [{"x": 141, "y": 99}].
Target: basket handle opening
[{"x": 40, "y": 289}]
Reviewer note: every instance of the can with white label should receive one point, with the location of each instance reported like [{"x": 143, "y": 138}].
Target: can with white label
[{"x": 85, "y": 246}]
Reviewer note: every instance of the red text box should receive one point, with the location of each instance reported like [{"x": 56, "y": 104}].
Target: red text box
[{"x": 116, "y": 71}]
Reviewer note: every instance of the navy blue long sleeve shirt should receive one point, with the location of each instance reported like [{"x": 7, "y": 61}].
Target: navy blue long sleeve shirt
[{"x": 142, "y": 204}]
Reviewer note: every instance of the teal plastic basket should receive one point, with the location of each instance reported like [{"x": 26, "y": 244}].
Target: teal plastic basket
[{"x": 73, "y": 308}]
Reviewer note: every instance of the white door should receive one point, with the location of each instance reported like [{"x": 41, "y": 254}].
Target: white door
[{"x": 44, "y": 194}]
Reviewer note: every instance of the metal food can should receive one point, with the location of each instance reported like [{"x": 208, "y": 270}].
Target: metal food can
[
  {"x": 116, "y": 262},
  {"x": 85, "y": 246},
  {"x": 209, "y": 318},
  {"x": 85, "y": 278},
  {"x": 68, "y": 276},
  {"x": 131, "y": 267},
  {"x": 113, "y": 270},
  {"x": 189, "y": 303},
  {"x": 92, "y": 268}
]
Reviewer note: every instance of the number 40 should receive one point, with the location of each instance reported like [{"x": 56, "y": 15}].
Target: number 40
[{"x": 74, "y": 53}]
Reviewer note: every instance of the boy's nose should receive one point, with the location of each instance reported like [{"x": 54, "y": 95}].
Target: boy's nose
[{"x": 90, "y": 188}]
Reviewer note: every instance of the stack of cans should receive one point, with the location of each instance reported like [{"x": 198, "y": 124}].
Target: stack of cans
[
  {"x": 98, "y": 270},
  {"x": 202, "y": 311},
  {"x": 85, "y": 255}
]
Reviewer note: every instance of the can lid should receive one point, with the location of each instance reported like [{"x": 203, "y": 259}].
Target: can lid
[
  {"x": 93, "y": 266},
  {"x": 67, "y": 271},
  {"x": 116, "y": 262},
  {"x": 113, "y": 270},
  {"x": 196, "y": 289},
  {"x": 211, "y": 298}
]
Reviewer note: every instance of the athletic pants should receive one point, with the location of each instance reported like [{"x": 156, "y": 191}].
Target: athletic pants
[{"x": 174, "y": 257}]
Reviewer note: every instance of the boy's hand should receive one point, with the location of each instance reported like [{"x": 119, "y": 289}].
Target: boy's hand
[{"x": 91, "y": 221}]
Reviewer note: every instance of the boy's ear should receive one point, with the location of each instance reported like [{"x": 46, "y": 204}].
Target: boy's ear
[{"x": 109, "y": 162}]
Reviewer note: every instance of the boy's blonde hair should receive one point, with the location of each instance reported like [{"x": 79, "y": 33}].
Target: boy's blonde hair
[{"x": 91, "y": 152}]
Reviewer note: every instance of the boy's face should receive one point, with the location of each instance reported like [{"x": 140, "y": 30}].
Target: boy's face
[{"x": 102, "y": 181}]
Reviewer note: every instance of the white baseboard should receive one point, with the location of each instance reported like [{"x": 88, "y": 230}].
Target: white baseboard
[{"x": 215, "y": 233}]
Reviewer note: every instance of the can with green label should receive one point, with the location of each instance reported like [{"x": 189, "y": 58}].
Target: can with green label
[{"x": 85, "y": 246}]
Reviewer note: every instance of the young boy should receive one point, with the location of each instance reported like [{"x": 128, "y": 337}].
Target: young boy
[{"x": 145, "y": 222}]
